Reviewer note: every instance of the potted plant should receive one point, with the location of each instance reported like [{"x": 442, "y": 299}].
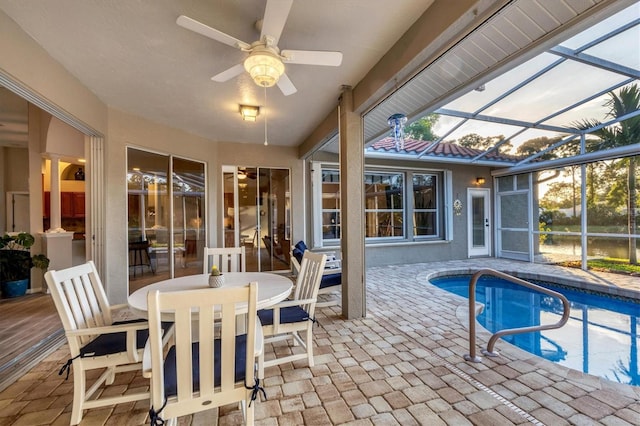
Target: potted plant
[
  {"x": 216, "y": 279},
  {"x": 16, "y": 262}
]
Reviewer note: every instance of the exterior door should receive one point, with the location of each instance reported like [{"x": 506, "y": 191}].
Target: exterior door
[{"x": 479, "y": 225}]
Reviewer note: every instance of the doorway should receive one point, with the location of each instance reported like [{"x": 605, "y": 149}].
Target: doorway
[
  {"x": 479, "y": 223},
  {"x": 17, "y": 211},
  {"x": 165, "y": 216},
  {"x": 256, "y": 212}
]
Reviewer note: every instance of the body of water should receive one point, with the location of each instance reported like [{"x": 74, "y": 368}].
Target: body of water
[
  {"x": 600, "y": 338},
  {"x": 596, "y": 246}
]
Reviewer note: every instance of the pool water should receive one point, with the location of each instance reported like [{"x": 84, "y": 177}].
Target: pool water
[{"x": 600, "y": 338}]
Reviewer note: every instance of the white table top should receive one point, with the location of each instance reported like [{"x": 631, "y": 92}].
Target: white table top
[{"x": 272, "y": 288}]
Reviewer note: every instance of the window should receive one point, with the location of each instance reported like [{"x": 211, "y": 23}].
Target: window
[
  {"x": 384, "y": 207},
  {"x": 402, "y": 205},
  {"x": 330, "y": 205},
  {"x": 425, "y": 205}
]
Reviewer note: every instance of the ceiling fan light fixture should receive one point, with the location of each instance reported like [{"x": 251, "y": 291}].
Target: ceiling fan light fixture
[
  {"x": 264, "y": 67},
  {"x": 249, "y": 112}
]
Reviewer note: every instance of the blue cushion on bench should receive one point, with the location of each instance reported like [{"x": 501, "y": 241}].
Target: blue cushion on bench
[
  {"x": 300, "y": 245},
  {"x": 331, "y": 280},
  {"x": 288, "y": 315},
  {"x": 113, "y": 343},
  {"x": 170, "y": 377},
  {"x": 298, "y": 254}
]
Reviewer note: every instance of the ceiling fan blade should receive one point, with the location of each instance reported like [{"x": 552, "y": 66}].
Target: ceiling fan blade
[
  {"x": 286, "y": 86},
  {"x": 227, "y": 75},
  {"x": 212, "y": 33},
  {"x": 312, "y": 57},
  {"x": 275, "y": 16}
]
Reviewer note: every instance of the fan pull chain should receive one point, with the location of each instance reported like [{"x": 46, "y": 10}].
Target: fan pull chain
[{"x": 265, "y": 117}]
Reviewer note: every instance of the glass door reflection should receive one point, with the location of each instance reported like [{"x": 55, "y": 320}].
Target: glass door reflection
[
  {"x": 257, "y": 215},
  {"x": 165, "y": 213}
]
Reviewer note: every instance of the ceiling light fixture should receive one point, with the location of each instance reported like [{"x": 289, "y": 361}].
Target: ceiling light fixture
[
  {"x": 249, "y": 112},
  {"x": 264, "y": 66}
]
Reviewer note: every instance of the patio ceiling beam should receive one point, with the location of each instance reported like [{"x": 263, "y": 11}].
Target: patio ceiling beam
[
  {"x": 494, "y": 101},
  {"x": 544, "y": 151},
  {"x": 609, "y": 154},
  {"x": 502, "y": 120},
  {"x": 595, "y": 61},
  {"x": 609, "y": 35}
]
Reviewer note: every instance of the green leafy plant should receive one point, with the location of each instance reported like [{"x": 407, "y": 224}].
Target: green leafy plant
[{"x": 15, "y": 259}]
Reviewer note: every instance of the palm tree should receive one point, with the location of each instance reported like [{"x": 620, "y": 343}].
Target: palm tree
[{"x": 623, "y": 133}]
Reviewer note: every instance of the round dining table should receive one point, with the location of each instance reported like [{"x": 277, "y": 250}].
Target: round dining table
[{"x": 272, "y": 288}]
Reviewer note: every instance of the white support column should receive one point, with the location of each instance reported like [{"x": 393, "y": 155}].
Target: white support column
[
  {"x": 55, "y": 214},
  {"x": 57, "y": 243}
]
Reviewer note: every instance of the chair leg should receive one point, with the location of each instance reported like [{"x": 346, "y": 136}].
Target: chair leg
[
  {"x": 261, "y": 365},
  {"x": 79, "y": 383},
  {"x": 309, "y": 343},
  {"x": 249, "y": 417}
]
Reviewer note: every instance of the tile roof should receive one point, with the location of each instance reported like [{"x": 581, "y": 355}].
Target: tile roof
[{"x": 443, "y": 149}]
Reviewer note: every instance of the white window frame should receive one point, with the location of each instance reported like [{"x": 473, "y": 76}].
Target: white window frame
[{"x": 444, "y": 209}]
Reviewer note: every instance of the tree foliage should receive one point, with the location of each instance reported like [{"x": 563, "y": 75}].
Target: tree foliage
[
  {"x": 422, "y": 129},
  {"x": 623, "y": 133},
  {"x": 483, "y": 143},
  {"x": 533, "y": 146}
]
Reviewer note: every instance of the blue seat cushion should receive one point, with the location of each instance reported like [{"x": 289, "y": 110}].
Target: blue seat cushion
[
  {"x": 300, "y": 245},
  {"x": 113, "y": 343},
  {"x": 170, "y": 375},
  {"x": 330, "y": 280},
  {"x": 298, "y": 254},
  {"x": 288, "y": 315}
]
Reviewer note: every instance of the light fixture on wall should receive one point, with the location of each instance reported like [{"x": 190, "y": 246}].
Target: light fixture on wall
[
  {"x": 264, "y": 67},
  {"x": 249, "y": 112},
  {"x": 480, "y": 180}
]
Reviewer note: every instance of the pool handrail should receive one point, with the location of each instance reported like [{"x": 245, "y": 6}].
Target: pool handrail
[{"x": 472, "y": 318}]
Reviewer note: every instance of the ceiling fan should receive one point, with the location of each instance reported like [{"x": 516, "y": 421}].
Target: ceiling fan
[{"x": 265, "y": 61}]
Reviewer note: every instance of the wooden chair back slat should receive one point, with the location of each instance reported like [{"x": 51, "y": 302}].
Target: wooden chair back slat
[
  {"x": 202, "y": 316},
  {"x": 227, "y": 259}
]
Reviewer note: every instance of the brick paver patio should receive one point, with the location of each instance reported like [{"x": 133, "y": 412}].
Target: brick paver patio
[{"x": 401, "y": 365}]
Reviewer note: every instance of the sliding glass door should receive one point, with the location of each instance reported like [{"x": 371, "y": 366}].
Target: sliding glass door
[
  {"x": 256, "y": 210},
  {"x": 166, "y": 217}
]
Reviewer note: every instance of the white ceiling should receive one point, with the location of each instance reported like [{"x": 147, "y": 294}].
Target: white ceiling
[{"x": 135, "y": 58}]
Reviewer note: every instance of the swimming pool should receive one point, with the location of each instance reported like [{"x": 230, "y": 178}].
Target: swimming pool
[{"x": 600, "y": 338}]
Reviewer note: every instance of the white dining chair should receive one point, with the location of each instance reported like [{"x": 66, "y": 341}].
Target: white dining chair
[
  {"x": 227, "y": 259},
  {"x": 288, "y": 319},
  {"x": 331, "y": 283},
  {"x": 210, "y": 364},
  {"x": 96, "y": 342}
]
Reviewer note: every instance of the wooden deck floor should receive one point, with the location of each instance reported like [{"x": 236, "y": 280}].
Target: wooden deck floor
[{"x": 29, "y": 328}]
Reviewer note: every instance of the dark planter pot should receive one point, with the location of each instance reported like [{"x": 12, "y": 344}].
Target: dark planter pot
[{"x": 14, "y": 288}]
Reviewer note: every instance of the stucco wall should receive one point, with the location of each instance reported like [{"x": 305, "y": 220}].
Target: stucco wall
[
  {"x": 463, "y": 177},
  {"x": 127, "y": 130}
]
